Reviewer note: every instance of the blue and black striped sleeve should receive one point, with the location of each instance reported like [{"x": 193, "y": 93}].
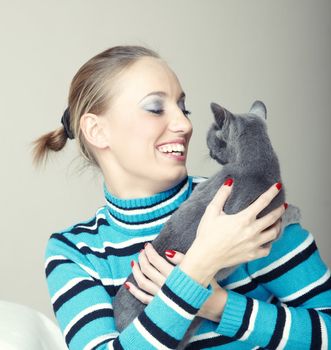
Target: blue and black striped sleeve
[
  {"x": 82, "y": 303},
  {"x": 299, "y": 316}
]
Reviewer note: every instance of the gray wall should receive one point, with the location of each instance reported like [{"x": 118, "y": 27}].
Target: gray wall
[{"x": 230, "y": 52}]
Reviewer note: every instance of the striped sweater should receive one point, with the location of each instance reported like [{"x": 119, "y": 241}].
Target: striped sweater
[{"x": 282, "y": 301}]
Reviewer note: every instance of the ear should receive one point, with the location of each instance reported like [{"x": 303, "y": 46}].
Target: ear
[
  {"x": 92, "y": 129},
  {"x": 220, "y": 113},
  {"x": 259, "y": 108}
]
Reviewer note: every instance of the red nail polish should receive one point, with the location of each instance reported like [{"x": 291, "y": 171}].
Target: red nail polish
[
  {"x": 132, "y": 263},
  {"x": 228, "y": 182},
  {"x": 126, "y": 286},
  {"x": 170, "y": 253},
  {"x": 285, "y": 205},
  {"x": 279, "y": 185}
]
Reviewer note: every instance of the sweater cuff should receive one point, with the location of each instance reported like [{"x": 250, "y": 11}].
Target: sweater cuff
[
  {"x": 187, "y": 288},
  {"x": 233, "y": 314}
]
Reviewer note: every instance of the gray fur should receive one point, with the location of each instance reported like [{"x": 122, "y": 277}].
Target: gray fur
[{"x": 241, "y": 144}]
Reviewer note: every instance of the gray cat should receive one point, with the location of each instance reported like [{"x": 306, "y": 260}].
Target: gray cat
[{"x": 241, "y": 144}]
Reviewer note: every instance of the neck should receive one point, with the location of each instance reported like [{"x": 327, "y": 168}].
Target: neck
[
  {"x": 139, "y": 189},
  {"x": 149, "y": 212}
]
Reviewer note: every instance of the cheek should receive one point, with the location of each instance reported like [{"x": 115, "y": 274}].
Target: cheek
[
  {"x": 149, "y": 131},
  {"x": 137, "y": 137},
  {"x": 140, "y": 140}
]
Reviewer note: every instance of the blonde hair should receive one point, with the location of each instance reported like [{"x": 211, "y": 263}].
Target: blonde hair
[{"x": 89, "y": 93}]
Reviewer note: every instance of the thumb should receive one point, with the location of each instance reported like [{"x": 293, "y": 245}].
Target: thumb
[{"x": 174, "y": 256}]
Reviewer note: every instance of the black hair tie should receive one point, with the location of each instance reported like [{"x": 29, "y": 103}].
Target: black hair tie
[{"x": 65, "y": 120}]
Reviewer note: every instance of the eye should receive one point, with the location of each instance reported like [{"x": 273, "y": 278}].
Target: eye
[
  {"x": 181, "y": 105},
  {"x": 156, "y": 111},
  {"x": 155, "y": 106},
  {"x": 186, "y": 112}
]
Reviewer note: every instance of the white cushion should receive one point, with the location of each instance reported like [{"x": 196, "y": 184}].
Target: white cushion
[{"x": 26, "y": 329}]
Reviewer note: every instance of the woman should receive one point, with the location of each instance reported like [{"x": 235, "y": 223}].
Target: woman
[{"x": 127, "y": 111}]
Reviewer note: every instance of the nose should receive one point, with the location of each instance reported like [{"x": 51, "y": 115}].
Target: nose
[{"x": 180, "y": 123}]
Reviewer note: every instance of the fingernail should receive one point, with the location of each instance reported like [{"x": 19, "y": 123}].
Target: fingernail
[
  {"x": 170, "y": 253},
  {"x": 132, "y": 263},
  {"x": 279, "y": 185},
  {"x": 228, "y": 182},
  {"x": 141, "y": 250},
  {"x": 285, "y": 205},
  {"x": 126, "y": 285}
]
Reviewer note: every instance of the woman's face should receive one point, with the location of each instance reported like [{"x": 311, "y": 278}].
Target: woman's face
[{"x": 147, "y": 110}]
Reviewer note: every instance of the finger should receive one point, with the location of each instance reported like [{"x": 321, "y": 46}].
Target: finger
[
  {"x": 263, "y": 251},
  {"x": 269, "y": 235},
  {"x": 216, "y": 205},
  {"x": 149, "y": 270},
  {"x": 143, "y": 282},
  {"x": 159, "y": 268},
  {"x": 280, "y": 227},
  {"x": 269, "y": 219},
  {"x": 263, "y": 200},
  {"x": 174, "y": 256},
  {"x": 139, "y": 294}
]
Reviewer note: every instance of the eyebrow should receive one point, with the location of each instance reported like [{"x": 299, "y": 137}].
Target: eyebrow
[{"x": 163, "y": 94}]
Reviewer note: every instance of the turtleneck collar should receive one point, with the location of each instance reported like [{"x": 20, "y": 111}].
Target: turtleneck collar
[{"x": 146, "y": 212}]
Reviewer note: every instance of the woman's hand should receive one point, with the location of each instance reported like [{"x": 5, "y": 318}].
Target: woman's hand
[
  {"x": 227, "y": 240},
  {"x": 151, "y": 271}
]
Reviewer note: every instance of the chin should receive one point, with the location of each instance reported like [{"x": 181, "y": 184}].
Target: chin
[{"x": 174, "y": 177}]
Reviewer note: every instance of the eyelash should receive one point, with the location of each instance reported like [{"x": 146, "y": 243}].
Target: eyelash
[{"x": 160, "y": 111}]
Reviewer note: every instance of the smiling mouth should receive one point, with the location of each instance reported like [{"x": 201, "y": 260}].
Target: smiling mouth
[{"x": 176, "y": 149}]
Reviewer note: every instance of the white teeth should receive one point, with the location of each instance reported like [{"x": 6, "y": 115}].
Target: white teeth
[{"x": 174, "y": 147}]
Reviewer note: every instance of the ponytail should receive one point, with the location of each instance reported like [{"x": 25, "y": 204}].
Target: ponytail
[{"x": 52, "y": 141}]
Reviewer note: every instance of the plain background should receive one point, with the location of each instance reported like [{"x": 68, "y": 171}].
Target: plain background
[{"x": 230, "y": 52}]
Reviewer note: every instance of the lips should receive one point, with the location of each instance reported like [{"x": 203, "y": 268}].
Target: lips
[{"x": 174, "y": 149}]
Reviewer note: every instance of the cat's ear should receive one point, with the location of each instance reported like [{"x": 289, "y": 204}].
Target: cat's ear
[
  {"x": 259, "y": 108},
  {"x": 220, "y": 113}
]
